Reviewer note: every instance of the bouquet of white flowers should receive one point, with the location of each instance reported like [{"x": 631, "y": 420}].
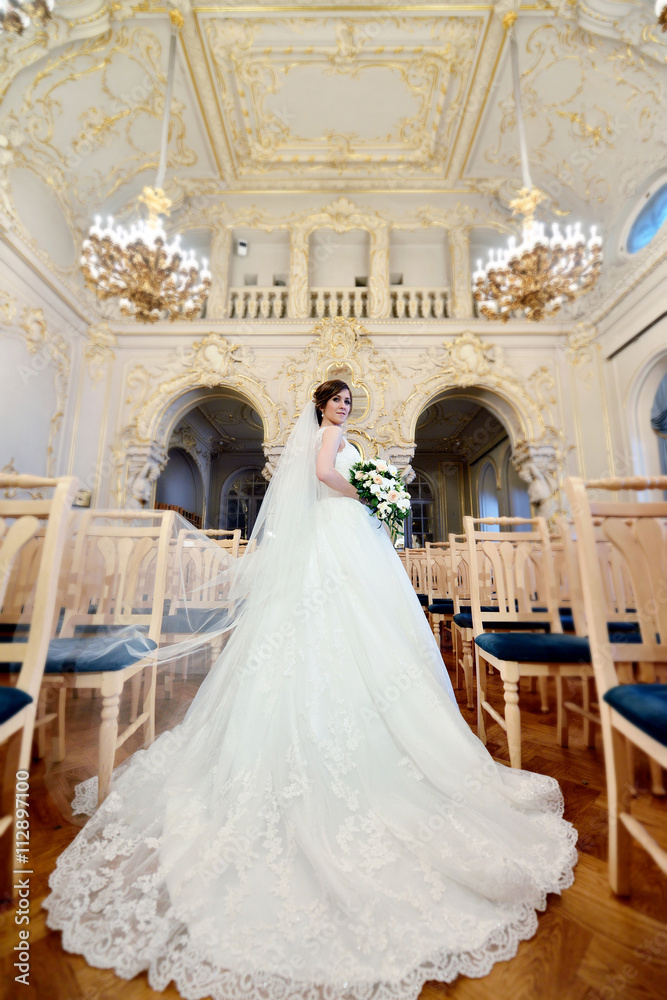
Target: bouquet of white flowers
[{"x": 381, "y": 487}]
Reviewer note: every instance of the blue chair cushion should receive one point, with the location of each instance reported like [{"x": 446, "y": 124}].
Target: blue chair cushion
[
  {"x": 622, "y": 628},
  {"x": 195, "y": 620},
  {"x": 82, "y": 655},
  {"x": 465, "y": 621},
  {"x": 618, "y": 631},
  {"x": 442, "y": 606},
  {"x": 12, "y": 700},
  {"x": 423, "y": 600},
  {"x": 535, "y": 647},
  {"x": 644, "y": 705},
  {"x": 8, "y": 629},
  {"x": 566, "y": 622}
]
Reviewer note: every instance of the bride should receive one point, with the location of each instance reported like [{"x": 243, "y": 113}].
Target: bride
[{"x": 323, "y": 824}]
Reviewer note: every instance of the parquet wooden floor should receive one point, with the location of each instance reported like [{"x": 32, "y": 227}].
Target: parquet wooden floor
[{"x": 589, "y": 944}]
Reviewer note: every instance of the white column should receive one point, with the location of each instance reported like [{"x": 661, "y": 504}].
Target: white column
[
  {"x": 459, "y": 244},
  {"x": 379, "y": 304},
  {"x": 221, "y": 246},
  {"x": 297, "y": 303}
]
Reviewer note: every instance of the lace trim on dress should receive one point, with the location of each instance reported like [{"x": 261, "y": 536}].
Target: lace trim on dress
[{"x": 112, "y": 904}]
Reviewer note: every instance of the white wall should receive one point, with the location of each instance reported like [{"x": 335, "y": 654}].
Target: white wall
[
  {"x": 268, "y": 255},
  {"x": 336, "y": 259},
  {"x": 177, "y": 485},
  {"x": 421, "y": 257},
  {"x": 41, "y": 346}
]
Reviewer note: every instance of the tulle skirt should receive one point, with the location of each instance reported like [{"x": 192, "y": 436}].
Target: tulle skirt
[{"x": 323, "y": 823}]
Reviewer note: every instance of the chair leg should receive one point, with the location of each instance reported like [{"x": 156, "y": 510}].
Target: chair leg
[
  {"x": 618, "y": 797},
  {"x": 7, "y": 808},
  {"x": 543, "y": 684},
  {"x": 562, "y": 715},
  {"x": 41, "y": 730},
  {"x": 629, "y": 752},
  {"x": 466, "y": 663},
  {"x": 456, "y": 655},
  {"x": 59, "y": 740},
  {"x": 111, "y": 692},
  {"x": 589, "y": 739},
  {"x": 513, "y": 714},
  {"x": 481, "y": 696},
  {"x": 657, "y": 785},
  {"x": 150, "y": 684},
  {"x": 135, "y": 693}
]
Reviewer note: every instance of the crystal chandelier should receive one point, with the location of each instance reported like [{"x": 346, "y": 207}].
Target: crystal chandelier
[
  {"x": 139, "y": 266},
  {"x": 16, "y": 15},
  {"x": 540, "y": 273},
  {"x": 661, "y": 13}
]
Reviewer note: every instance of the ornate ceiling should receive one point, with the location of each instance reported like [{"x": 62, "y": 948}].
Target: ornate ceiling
[{"x": 404, "y": 107}]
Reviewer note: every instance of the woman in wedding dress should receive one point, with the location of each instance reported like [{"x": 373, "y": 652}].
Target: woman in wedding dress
[{"x": 323, "y": 824}]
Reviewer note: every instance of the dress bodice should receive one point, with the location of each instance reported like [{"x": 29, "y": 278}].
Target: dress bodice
[{"x": 343, "y": 463}]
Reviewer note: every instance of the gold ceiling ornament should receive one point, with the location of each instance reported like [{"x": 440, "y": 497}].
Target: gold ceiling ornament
[
  {"x": 661, "y": 13},
  {"x": 540, "y": 273},
  {"x": 139, "y": 266},
  {"x": 16, "y": 15}
]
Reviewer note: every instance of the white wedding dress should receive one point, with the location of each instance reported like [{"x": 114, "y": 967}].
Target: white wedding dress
[{"x": 323, "y": 824}]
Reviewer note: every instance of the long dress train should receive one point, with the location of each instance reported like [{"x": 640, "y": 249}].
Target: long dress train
[{"x": 323, "y": 824}]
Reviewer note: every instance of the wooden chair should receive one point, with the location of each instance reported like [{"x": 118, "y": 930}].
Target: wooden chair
[
  {"x": 118, "y": 583},
  {"x": 523, "y": 636},
  {"x": 196, "y": 595},
  {"x": 439, "y": 586},
  {"x": 227, "y": 539},
  {"x": 20, "y": 522},
  {"x": 633, "y": 706},
  {"x": 462, "y": 625},
  {"x": 414, "y": 561}
]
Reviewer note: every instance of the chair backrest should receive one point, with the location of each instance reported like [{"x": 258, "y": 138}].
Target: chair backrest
[
  {"x": 637, "y": 535},
  {"x": 621, "y": 605},
  {"x": 226, "y": 538},
  {"x": 438, "y": 570},
  {"x": 460, "y": 570},
  {"x": 515, "y": 570},
  {"x": 40, "y": 525},
  {"x": 198, "y": 577},
  {"x": 415, "y": 567},
  {"x": 119, "y": 570}
]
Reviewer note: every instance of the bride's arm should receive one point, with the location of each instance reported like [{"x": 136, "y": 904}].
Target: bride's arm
[{"x": 325, "y": 468}]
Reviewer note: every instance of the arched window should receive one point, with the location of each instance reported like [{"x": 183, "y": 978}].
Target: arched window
[
  {"x": 488, "y": 495},
  {"x": 242, "y": 498},
  {"x": 419, "y": 523},
  {"x": 649, "y": 220},
  {"x": 659, "y": 422}
]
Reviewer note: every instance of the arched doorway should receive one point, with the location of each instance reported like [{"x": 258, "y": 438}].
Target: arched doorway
[
  {"x": 216, "y": 432},
  {"x": 659, "y": 422},
  {"x": 464, "y": 450}
]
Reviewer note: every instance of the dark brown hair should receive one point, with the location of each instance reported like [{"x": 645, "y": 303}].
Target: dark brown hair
[{"x": 326, "y": 391}]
